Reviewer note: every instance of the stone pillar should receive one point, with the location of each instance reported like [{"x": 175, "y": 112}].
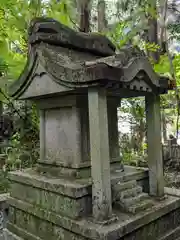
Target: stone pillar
[
  {"x": 99, "y": 151},
  {"x": 112, "y": 105},
  {"x": 155, "y": 162},
  {"x": 42, "y": 135}
]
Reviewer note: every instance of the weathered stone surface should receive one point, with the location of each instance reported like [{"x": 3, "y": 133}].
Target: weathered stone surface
[
  {"x": 165, "y": 228},
  {"x": 70, "y": 198},
  {"x": 100, "y": 155},
  {"x": 74, "y": 60},
  {"x": 55, "y": 170},
  {"x": 131, "y": 192},
  {"x": 129, "y": 174},
  {"x": 64, "y": 186},
  {"x": 7, "y": 235},
  {"x": 25, "y": 224},
  {"x": 75, "y": 188},
  {"x": 134, "y": 200},
  {"x": 112, "y": 107},
  {"x": 48, "y": 200},
  {"x": 120, "y": 186},
  {"x": 3, "y": 210},
  {"x": 51, "y": 31},
  {"x": 128, "y": 197},
  {"x": 64, "y": 135},
  {"x": 154, "y": 223},
  {"x": 139, "y": 206},
  {"x": 154, "y": 146}
]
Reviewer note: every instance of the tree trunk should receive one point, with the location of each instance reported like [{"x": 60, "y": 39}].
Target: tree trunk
[
  {"x": 101, "y": 8},
  {"x": 162, "y": 24},
  {"x": 153, "y": 31},
  {"x": 164, "y": 126},
  {"x": 84, "y": 10}
]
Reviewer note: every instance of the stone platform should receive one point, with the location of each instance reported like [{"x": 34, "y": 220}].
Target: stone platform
[
  {"x": 49, "y": 208},
  {"x": 70, "y": 197},
  {"x": 159, "y": 223}
]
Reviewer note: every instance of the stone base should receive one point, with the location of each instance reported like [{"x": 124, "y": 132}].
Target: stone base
[
  {"x": 57, "y": 170},
  {"x": 66, "y": 196},
  {"x": 7, "y": 235},
  {"x": 44, "y": 208},
  {"x": 161, "y": 222}
]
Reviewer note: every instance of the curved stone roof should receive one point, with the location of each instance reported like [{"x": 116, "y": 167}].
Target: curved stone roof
[{"x": 75, "y": 60}]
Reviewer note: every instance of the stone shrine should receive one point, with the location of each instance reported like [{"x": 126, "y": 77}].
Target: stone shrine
[{"x": 80, "y": 189}]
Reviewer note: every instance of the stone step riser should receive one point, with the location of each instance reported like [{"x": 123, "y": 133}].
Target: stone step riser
[
  {"x": 136, "y": 207},
  {"x": 121, "y": 186},
  {"x": 134, "y": 200},
  {"x": 131, "y": 192},
  {"x": 140, "y": 207}
]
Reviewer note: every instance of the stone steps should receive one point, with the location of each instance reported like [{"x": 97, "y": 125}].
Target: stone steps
[
  {"x": 121, "y": 186},
  {"x": 130, "y": 201},
  {"x": 132, "y": 192},
  {"x": 130, "y": 198},
  {"x": 135, "y": 208},
  {"x": 141, "y": 206}
]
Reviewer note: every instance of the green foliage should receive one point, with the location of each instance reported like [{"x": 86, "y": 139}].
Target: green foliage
[
  {"x": 163, "y": 66},
  {"x": 174, "y": 30},
  {"x": 15, "y": 17}
]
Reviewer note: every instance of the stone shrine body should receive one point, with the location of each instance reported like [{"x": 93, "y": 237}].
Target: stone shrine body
[{"x": 80, "y": 188}]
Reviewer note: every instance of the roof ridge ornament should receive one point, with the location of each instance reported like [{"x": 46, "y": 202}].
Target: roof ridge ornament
[{"x": 50, "y": 31}]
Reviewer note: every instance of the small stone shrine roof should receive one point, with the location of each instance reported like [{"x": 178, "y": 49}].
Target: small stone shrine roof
[{"x": 77, "y": 60}]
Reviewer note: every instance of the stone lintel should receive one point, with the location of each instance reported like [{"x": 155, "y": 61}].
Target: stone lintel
[
  {"x": 58, "y": 101},
  {"x": 124, "y": 226}
]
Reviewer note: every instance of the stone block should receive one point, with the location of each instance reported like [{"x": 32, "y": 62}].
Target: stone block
[
  {"x": 3, "y": 210},
  {"x": 160, "y": 222},
  {"x": 132, "y": 192},
  {"x": 69, "y": 187},
  {"x": 61, "y": 204},
  {"x": 60, "y": 171},
  {"x": 31, "y": 227},
  {"x": 62, "y": 197}
]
